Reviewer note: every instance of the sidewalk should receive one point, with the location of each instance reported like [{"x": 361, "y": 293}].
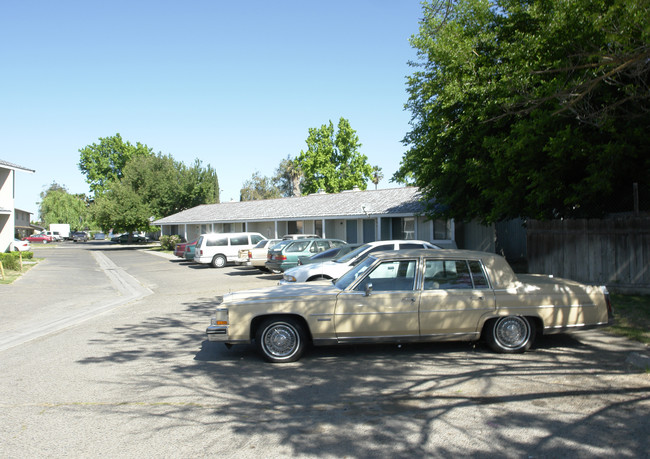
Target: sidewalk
[{"x": 69, "y": 286}]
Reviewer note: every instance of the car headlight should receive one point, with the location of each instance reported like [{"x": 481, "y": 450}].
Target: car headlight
[
  {"x": 220, "y": 317},
  {"x": 289, "y": 278}
]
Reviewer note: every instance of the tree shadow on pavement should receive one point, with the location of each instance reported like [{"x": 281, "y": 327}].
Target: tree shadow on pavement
[{"x": 568, "y": 396}]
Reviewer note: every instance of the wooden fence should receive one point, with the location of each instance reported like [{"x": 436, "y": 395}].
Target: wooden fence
[{"x": 614, "y": 252}]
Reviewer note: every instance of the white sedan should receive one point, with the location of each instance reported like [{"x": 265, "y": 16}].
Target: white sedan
[
  {"x": 19, "y": 246},
  {"x": 336, "y": 268}
]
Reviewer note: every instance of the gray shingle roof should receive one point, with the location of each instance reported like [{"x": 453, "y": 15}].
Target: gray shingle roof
[
  {"x": 394, "y": 201},
  {"x": 9, "y": 165}
]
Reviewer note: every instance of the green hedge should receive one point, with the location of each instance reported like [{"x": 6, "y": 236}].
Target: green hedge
[
  {"x": 11, "y": 260},
  {"x": 169, "y": 242}
]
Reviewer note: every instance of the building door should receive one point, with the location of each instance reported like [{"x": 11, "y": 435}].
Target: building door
[
  {"x": 351, "y": 231},
  {"x": 369, "y": 230}
]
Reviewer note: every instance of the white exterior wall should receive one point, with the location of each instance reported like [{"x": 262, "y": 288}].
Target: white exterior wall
[{"x": 7, "y": 206}]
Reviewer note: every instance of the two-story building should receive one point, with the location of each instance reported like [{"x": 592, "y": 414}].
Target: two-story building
[
  {"x": 7, "y": 196},
  {"x": 22, "y": 224}
]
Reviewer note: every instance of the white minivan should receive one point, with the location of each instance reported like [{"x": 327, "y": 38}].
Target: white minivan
[{"x": 217, "y": 249}]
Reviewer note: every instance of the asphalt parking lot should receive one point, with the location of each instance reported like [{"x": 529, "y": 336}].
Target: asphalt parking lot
[{"x": 131, "y": 374}]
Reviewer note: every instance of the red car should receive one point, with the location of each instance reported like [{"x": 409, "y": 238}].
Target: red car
[
  {"x": 179, "y": 251},
  {"x": 43, "y": 238}
]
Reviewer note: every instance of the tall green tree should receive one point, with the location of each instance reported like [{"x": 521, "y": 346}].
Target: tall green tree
[
  {"x": 529, "y": 109},
  {"x": 104, "y": 163},
  {"x": 259, "y": 187},
  {"x": 377, "y": 175},
  {"x": 332, "y": 161},
  {"x": 122, "y": 209},
  {"x": 154, "y": 186},
  {"x": 59, "y": 206},
  {"x": 288, "y": 177}
]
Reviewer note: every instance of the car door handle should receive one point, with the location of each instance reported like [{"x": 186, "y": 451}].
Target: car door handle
[{"x": 412, "y": 300}]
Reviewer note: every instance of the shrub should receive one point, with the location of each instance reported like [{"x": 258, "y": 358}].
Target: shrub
[
  {"x": 11, "y": 260},
  {"x": 169, "y": 242}
]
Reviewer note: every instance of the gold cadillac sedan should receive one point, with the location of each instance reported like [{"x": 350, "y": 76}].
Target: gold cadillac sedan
[{"x": 410, "y": 296}]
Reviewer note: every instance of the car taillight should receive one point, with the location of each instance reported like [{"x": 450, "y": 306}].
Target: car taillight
[
  {"x": 281, "y": 257},
  {"x": 250, "y": 254}
]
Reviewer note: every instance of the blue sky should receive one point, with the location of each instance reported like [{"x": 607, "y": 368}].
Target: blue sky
[{"x": 234, "y": 84}]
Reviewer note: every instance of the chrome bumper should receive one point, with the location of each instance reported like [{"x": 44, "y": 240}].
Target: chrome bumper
[{"x": 218, "y": 333}]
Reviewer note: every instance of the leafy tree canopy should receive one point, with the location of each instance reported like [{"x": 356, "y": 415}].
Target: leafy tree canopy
[
  {"x": 332, "y": 161},
  {"x": 529, "y": 109},
  {"x": 258, "y": 188},
  {"x": 59, "y": 206},
  {"x": 288, "y": 177},
  {"x": 104, "y": 163},
  {"x": 154, "y": 186}
]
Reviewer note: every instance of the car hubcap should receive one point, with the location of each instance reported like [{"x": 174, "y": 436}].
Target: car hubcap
[
  {"x": 280, "y": 340},
  {"x": 512, "y": 332}
]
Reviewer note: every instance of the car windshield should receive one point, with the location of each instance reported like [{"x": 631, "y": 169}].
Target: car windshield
[
  {"x": 351, "y": 276},
  {"x": 352, "y": 255}
]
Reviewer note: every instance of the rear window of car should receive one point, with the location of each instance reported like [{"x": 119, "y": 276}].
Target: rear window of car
[{"x": 298, "y": 246}]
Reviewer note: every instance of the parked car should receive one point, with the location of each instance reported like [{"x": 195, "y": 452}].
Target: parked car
[
  {"x": 283, "y": 257},
  {"x": 257, "y": 256},
  {"x": 300, "y": 236},
  {"x": 56, "y": 237},
  {"x": 19, "y": 246},
  {"x": 99, "y": 236},
  {"x": 328, "y": 255},
  {"x": 218, "y": 249},
  {"x": 40, "y": 237},
  {"x": 190, "y": 250},
  {"x": 179, "y": 250},
  {"x": 79, "y": 236},
  {"x": 336, "y": 268},
  {"x": 134, "y": 237},
  {"x": 411, "y": 296}
]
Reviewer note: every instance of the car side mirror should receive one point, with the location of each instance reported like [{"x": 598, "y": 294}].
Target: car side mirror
[{"x": 368, "y": 289}]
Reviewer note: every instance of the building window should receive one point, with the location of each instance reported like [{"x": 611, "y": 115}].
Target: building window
[
  {"x": 441, "y": 230},
  {"x": 296, "y": 227},
  {"x": 402, "y": 228}
]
